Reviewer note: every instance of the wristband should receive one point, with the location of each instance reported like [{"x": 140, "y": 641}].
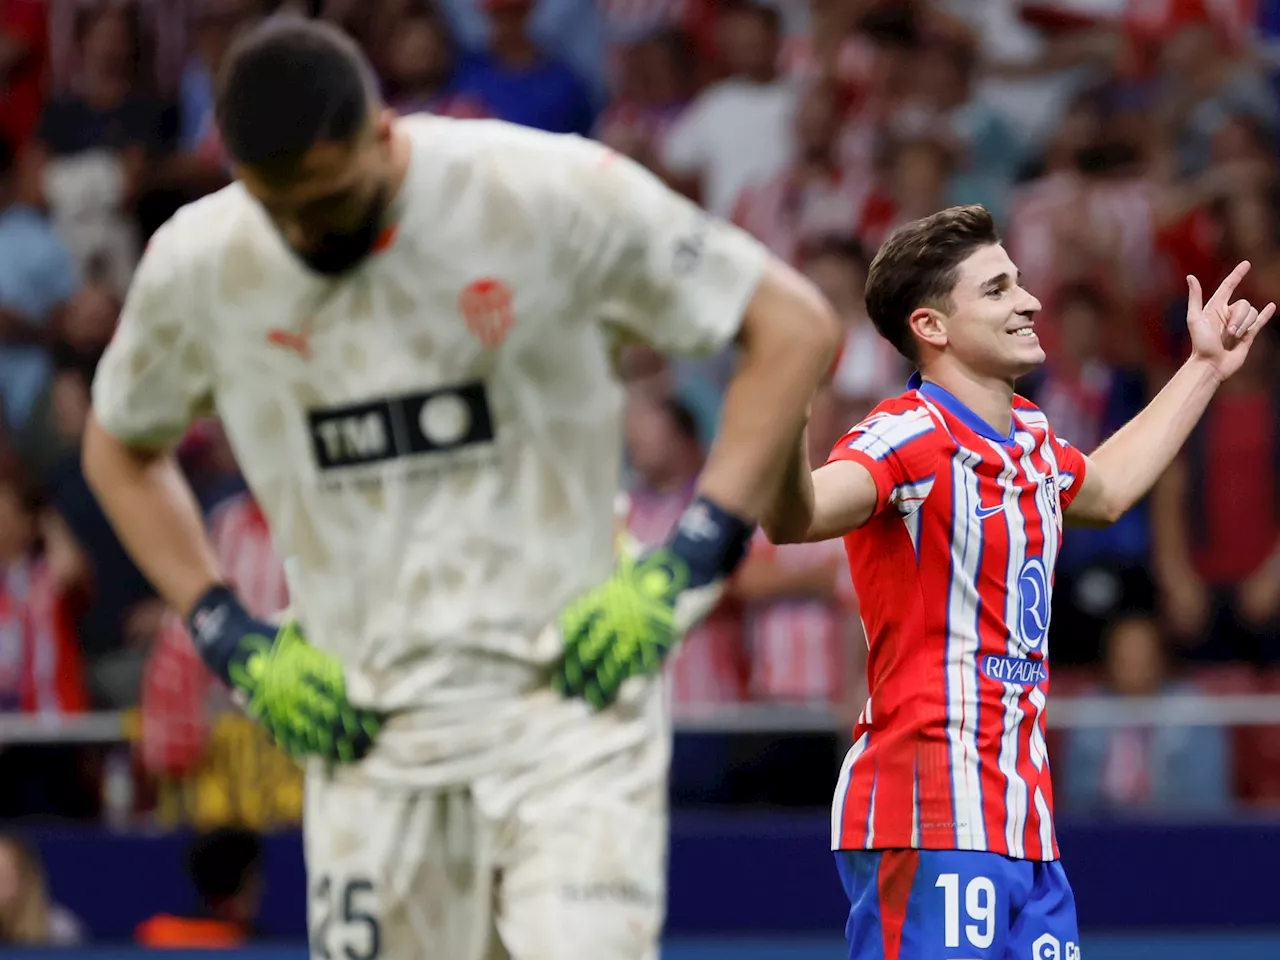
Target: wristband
[
  {"x": 711, "y": 541},
  {"x": 218, "y": 623}
]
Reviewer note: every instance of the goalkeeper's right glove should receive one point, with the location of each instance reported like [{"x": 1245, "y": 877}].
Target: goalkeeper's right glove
[
  {"x": 632, "y": 623},
  {"x": 298, "y": 693}
]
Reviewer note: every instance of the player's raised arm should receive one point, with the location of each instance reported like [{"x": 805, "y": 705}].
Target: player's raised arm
[
  {"x": 886, "y": 461},
  {"x": 1121, "y": 472},
  {"x": 823, "y": 504}
]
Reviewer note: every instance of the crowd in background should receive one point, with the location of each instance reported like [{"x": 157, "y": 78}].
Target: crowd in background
[{"x": 1120, "y": 152}]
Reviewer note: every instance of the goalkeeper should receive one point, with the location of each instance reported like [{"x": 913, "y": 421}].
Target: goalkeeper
[{"x": 405, "y": 326}]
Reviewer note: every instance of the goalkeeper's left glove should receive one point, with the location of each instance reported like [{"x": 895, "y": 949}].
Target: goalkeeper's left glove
[
  {"x": 298, "y": 693},
  {"x": 630, "y": 624}
]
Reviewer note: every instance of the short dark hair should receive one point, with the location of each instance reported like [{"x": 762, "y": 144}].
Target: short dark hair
[
  {"x": 289, "y": 84},
  {"x": 917, "y": 266},
  {"x": 220, "y": 862}
]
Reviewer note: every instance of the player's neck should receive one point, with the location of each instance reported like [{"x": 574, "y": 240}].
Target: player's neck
[{"x": 989, "y": 398}]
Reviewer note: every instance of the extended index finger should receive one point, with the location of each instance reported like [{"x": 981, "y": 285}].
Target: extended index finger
[{"x": 1227, "y": 288}]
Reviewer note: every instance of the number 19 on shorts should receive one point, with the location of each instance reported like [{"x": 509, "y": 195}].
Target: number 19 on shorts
[{"x": 979, "y": 908}]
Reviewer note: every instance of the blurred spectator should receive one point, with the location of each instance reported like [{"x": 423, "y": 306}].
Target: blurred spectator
[
  {"x": 1207, "y": 82},
  {"x": 226, "y": 868},
  {"x": 419, "y": 72},
  {"x": 89, "y": 160},
  {"x": 1145, "y": 768},
  {"x": 737, "y": 131},
  {"x": 40, "y": 666},
  {"x": 520, "y": 82},
  {"x": 1030, "y": 74},
  {"x": 656, "y": 82},
  {"x": 665, "y": 457},
  {"x": 1217, "y": 521},
  {"x": 803, "y": 634},
  {"x": 37, "y": 279},
  {"x": 574, "y": 31},
  {"x": 200, "y": 164},
  {"x": 54, "y": 434},
  {"x": 869, "y": 368},
  {"x": 1196, "y": 231},
  {"x": 40, "y": 669},
  {"x": 88, "y": 324},
  {"x": 118, "y": 611},
  {"x": 941, "y": 104},
  {"x": 24, "y": 62},
  {"x": 1087, "y": 397},
  {"x": 815, "y": 196},
  {"x": 27, "y": 916},
  {"x": 916, "y": 183},
  {"x": 801, "y": 624},
  {"x": 1088, "y": 218}
]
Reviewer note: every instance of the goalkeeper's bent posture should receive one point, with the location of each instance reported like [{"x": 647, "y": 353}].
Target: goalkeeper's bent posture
[{"x": 406, "y": 327}]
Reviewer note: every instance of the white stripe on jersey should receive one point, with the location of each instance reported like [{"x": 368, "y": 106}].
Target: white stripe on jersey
[
  {"x": 909, "y": 498},
  {"x": 871, "y": 813},
  {"x": 842, "y": 788},
  {"x": 1049, "y": 521},
  {"x": 884, "y": 433},
  {"x": 915, "y": 807},
  {"x": 962, "y": 653},
  {"x": 1016, "y": 798}
]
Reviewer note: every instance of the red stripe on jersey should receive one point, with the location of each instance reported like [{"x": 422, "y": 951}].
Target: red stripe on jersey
[
  {"x": 955, "y": 571},
  {"x": 894, "y": 880}
]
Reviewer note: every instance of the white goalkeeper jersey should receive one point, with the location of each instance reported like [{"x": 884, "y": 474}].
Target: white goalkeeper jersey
[{"x": 435, "y": 437}]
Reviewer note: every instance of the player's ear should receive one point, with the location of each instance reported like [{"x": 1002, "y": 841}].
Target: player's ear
[{"x": 929, "y": 325}]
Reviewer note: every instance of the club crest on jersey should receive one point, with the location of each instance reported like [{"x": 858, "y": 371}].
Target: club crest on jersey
[
  {"x": 1051, "y": 494},
  {"x": 487, "y": 306},
  {"x": 1033, "y": 602}
]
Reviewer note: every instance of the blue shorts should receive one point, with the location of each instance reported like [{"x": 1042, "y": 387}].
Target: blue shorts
[{"x": 956, "y": 905}]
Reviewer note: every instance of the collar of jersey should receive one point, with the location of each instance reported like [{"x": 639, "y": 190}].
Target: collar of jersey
[{"x": 953, "y": 405}]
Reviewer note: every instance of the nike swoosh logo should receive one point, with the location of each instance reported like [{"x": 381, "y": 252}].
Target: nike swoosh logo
[{"x": 984, "y": 512}]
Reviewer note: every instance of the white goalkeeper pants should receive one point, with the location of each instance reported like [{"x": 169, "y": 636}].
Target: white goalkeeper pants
[{"x": 574, "y": 870}]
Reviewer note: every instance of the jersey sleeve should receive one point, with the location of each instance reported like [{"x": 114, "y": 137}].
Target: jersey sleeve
[
  {"x": 899, "y": 445},
  {"x": 661, "y": 269},
  {"x": 1072, "y": 467},
  {"x": 155, "y": 377}
]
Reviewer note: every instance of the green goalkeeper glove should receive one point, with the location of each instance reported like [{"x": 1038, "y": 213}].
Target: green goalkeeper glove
[
  {"x": 298, "y": 693},
  {"x": 629, "y": 625}
]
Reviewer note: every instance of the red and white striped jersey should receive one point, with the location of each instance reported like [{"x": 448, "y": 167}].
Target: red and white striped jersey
[
  {"x": 40, "y": 665},
  {"x": 955, "y": 572},
  {"x": 784, "y": 212},
  {"x": 1117, "y": 215}
]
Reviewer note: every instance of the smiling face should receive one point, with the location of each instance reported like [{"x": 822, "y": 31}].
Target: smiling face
[{"x": 989, "y": 326}]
